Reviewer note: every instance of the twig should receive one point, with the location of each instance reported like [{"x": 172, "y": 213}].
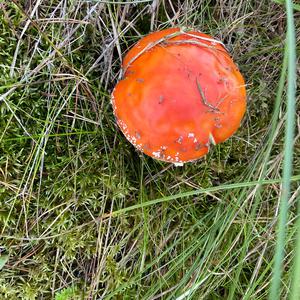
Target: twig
[{"x": 203, "y": 98}]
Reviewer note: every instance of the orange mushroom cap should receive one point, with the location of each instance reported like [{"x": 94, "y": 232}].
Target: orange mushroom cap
[{"x": 180, "y": 93}]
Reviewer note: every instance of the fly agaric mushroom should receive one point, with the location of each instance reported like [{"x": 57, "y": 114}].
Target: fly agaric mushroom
[{"x": 180, "y": 93}]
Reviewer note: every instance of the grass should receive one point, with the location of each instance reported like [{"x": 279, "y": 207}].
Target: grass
[
  {"x": 85, "y": 216},
  {"x": 288, "y": 154}
]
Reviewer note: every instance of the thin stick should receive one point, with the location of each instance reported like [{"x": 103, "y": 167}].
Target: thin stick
[{"x": 203, "y": 98}]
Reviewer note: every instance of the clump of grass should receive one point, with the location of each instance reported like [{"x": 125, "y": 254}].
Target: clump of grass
[{"x": 82, "y": 214}]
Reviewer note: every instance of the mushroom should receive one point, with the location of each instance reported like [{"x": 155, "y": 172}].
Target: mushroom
[{"x": 180, "y": 93}]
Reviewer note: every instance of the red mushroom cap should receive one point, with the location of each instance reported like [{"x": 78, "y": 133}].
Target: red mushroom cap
[{"x": 181, "y": 92}]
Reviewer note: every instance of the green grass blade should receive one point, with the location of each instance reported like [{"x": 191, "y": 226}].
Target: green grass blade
[
  {"x": 295, "y": 290},
  {"x": 295, "y": 5},
  {"x": 288, "y": 154},
  {"x": 202, "y": 191},
  {"x": 3, "y": 260}
]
